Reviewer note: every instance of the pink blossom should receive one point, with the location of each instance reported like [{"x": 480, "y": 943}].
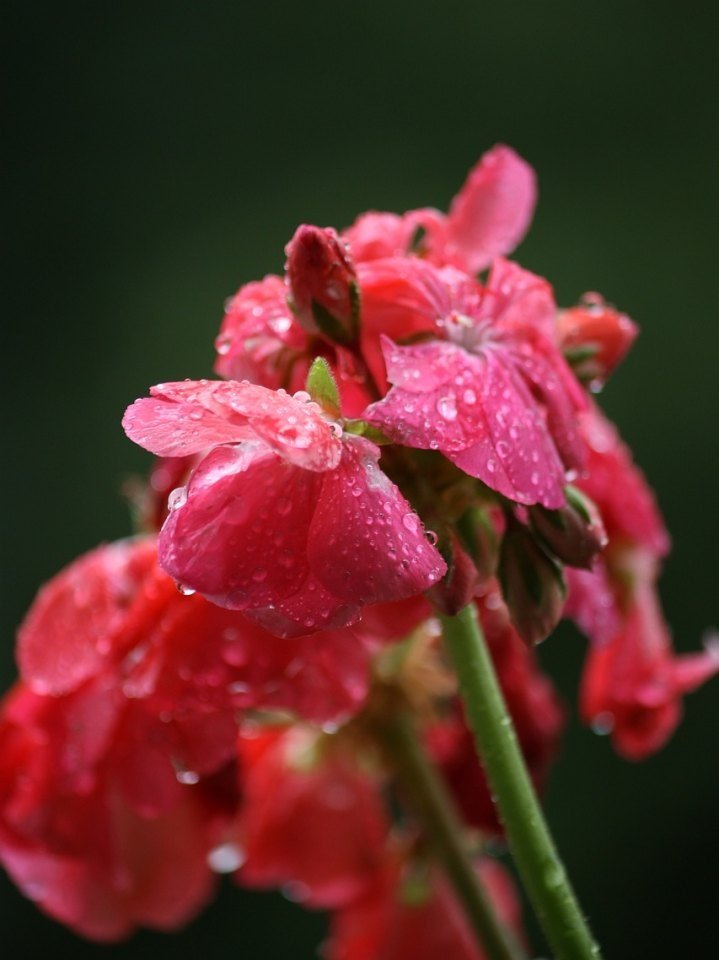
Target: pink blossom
[
  {"x": 298, "y": 527},
  {"x": 487, "y": 219},
  {"x": 494, "y": 395}
]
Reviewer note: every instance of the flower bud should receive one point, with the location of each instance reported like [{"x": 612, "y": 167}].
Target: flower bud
[
  {"x": 532, "y": 584},
  {"x": 574, "y": 533},
  {"x": 324, "y": 293},
  {"x": 595, "y": 338}
]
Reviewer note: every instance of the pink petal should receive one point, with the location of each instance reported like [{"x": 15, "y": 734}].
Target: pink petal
[
  {"x": 374, "y": 236},
  {"x": 240, "y": 538},
  {"x": 79, "y": 619},
  {"x": 191, "y": 416},
  {"x": 366, "y": 544},
  {"x": 520, "y": 300},
  {"x": 476, "y": 409},
  {"x": 311, "y": 607},
  {"x": 492, "y": 211}
]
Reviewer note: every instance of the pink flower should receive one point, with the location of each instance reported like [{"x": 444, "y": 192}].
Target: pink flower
[
  {"x": 298, "y": 527},
  {"x": 312, "y": 820},
  {"x": 487, "y": 219},
  {"x": 495, "y": 396},
  {"x": 632, "y": 686}
]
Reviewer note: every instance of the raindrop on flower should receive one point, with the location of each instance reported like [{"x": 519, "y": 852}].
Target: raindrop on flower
[
  {"x": 177, "y": 498},
  {"x": 226, "y": 858}
]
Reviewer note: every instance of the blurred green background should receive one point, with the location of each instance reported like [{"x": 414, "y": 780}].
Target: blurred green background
[{"x": 159, "y": 154}]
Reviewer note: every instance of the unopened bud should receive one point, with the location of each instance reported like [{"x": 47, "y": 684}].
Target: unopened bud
[
  {"x": 574, "y": 533},
  {"x": 323, "y": 288},
  {"x": 595, "y": 338},
  {"x": 532, "y": 584}
]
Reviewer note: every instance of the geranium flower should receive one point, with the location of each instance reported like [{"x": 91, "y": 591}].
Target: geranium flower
[
  {"x": 286, "y": 517},
  {"x": 312, "y": 820},
  {"x": 493, "y": 395}
]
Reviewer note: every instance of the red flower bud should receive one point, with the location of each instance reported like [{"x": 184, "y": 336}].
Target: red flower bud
[
  {"x": 324, "y": 293},
  {"x": 574, "y": 533},
  {"x": 595, "y": 338}
]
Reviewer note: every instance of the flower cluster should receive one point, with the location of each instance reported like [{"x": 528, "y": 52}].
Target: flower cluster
[{"x": 401, "y": 427}]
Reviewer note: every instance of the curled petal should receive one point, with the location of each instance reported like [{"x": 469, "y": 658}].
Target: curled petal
[{"x": 191, "y": 416}]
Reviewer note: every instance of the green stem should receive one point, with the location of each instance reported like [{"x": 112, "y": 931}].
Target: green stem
[
  {"x": 531, "y": 843},
  {"x": 443, "y": 829}
]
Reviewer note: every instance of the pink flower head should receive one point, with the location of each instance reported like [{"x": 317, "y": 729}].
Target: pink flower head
[
  {"x": 632, "y": 686},
  {"x": 494, "y": 395},
  {"x": 323, "y": 284},
  {"x": 487, "y": 219},
  {"x": 311, "y": 820},
  {"x": 285, "y": 518},
  {"x": 414, "y": 915}
]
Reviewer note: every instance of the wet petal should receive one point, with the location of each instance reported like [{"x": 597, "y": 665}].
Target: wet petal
[
  {"x": 240, "y": 537},
  {"x": 492, "y": 211},
  {"x": 366, "y": 544},
  {"x": 191, "y": 416}
]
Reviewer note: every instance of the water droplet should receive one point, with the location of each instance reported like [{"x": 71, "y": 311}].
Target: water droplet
[
  {"x": 187, "y": 776},
  {"x": 603, "y": 723},
  {"x": 469, "y": 396},
  {"x": 432, "y": 537},
  {"x": 226, "y": 858},
  {"x": 302, "y": 396},
  {"x": 223, "y": 344},
  {"x": 283, "y": 506},
  {"x": 259, "y": 575},
  {"x": 177, "y": 498},
  {"x": 185, "y": 590},
  {"x": 410, "y": 521},
  {"x": 447, "y": 408}
]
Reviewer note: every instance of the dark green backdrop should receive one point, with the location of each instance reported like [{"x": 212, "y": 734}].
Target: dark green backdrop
[{"x": 160, "y": 153}]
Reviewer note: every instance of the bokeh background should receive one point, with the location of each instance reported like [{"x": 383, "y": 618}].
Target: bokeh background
[{"x": 159, "y": 154}]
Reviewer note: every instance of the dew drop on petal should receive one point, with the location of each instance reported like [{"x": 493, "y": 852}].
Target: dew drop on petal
[
  {"x": 177, "y": 498},
  {"x": 410, "y": 521},
  {"x": 447, "y": 408}
]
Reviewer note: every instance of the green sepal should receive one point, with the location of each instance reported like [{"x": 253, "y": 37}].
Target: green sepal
[
  {"x": 360, "y": 428},
  {"x": 322, "y": 387}
]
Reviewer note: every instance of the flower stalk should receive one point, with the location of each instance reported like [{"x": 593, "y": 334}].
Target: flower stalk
[
  {"x": 435, "y": 809},
  {"x": 529, "y": 838}
]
